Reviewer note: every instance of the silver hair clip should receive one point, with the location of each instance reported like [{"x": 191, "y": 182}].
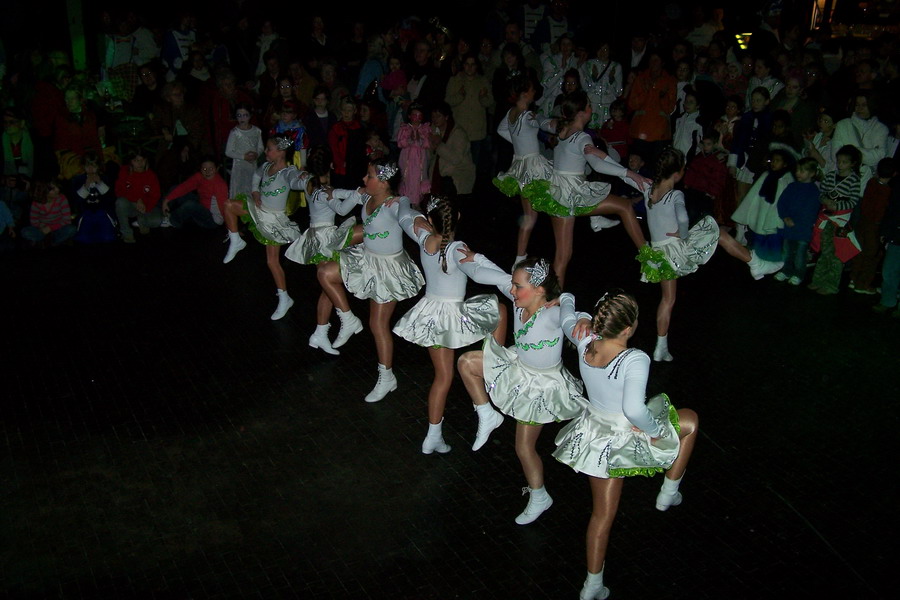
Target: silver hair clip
[
  {"x": 283, "y": 143},
  {"x": 433, "y": 203},
  {"x": 603, "y": 298},
  {"x": 538, "y": 273},
  {"x": 387, "y": 171}
]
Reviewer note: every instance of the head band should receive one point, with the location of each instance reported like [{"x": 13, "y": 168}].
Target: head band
[
  {"x": 385, "y": 172},
  {"x": 283, "y": 142},
  {"x": 538, "y": 273},
  {"x": 433, "y": 203}
]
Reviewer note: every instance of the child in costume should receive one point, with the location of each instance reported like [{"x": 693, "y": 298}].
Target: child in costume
[
  {"x": 413, "y": 139},
  {"x": 617, "y": 434},
  {"x": 528, "y": 381},
  {"x": 244, "y": 148}
]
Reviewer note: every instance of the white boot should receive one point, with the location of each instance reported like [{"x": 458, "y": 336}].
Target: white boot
[
  {"x": 740, "y": 234},
  {"x": 661, "y": 353},
  {"x": 320, "y": 339},
  {"x": 350, "y": 324},
  {"x": 435, "y": 440},
  {"x": 386, "y": 383},
  {"x": 759, "y": 268},
  {"x": 538, "y": 501},
  {"x": 488, "y": 420},
  {"x": 285, "y": 302},
  {"x": 599, "y": 222},
  {"x": 519, "y": 258},
  {"x": 669, "y": 494},
  {"x": 593, "y": 587},
  {"x": 235, "y": 244}
]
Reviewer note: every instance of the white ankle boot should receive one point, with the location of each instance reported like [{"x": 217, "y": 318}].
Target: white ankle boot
[
  {"x": 350, "y": 324},
  {"x": 759, "y": 268},
  {"x": 668, "y": 494},
  {"x": 661, "y": 352},
  {"x": 434, "y": 441},
  {"x": 285, "y": 303},
  {"x": 386, "y": 383},
  {"x": 599, "y": 222},
  {"x": 538, "y": 501},
  {"x": 320, "y": 339},
  {"x": 235, "y": 245},
  {"x": 593, "y": 587},
  {"x": 488, "y": 420}
]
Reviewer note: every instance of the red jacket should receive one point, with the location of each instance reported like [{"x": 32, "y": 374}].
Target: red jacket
[
  {"x": 207, "y": 189},
  {"x": 138, "y": 186},
  {"x": 337, "y": 141},
  {"x": 706, "y": 173}
]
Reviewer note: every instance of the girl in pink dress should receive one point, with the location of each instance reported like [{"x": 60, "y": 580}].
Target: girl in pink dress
[{"x": 413, "y": 142}]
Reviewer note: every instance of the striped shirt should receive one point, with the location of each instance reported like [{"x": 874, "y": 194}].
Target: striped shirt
[
  {"x": 53, "y": 213},
  {"x": 845, "y": 192}
]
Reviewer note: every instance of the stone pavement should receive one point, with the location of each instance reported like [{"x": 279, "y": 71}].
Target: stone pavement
[{"x": 163, "y": 438}]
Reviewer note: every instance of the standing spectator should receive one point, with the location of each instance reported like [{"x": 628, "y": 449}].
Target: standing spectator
[
  {"x": 603, "y": 80},
  {"x": 452, "y": 170},
  {"x": 552, "y": 27},
  {"x": 244, "y": 148},
  {"x": 469, "y": 96},
  {"x": 182, "y": 135},
  {"x": 75, "y": 132},
  {"x": 347, "y": 143},
  {"x": 798, "y": 207},
  {"x": 223, "y": 105},
  {"x": 873, "y": 207},
  {"x": 177, "y": 43},
  {"x": 652, "y": 100},
  {"x": 890, "y": 269},
  {"x": 863, "y": 130},
  {"x": 319, "y": 119},
  {"x": 705, "y": 181}
]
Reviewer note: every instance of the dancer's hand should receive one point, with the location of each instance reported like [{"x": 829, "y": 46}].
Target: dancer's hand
[
  {"x": 639, "y": 180},
  {"x": 554, "y": 302},
  {"x": 421, "y": 223},
  {"x": 582, "y": 329},
  {"x": 468, "y": 255}
]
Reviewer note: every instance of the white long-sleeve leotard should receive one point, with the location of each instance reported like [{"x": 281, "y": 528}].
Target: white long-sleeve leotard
[
  {"x": 452, "y": 284},
  {"x": 569, "y": 158},
  {"x": 274, "y": 189},
  {"x": 383, "y": 229},
  {"x": 324, "y": 206},
  {"x": 669, "y": 215},
  {"x": 523, "y": 134}
]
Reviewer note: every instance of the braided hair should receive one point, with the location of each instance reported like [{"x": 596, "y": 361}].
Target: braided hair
[
  {"x": 670, "y": 161},
  {"x": 444, "y": 217},
  {"x": 615, "y": 312}
]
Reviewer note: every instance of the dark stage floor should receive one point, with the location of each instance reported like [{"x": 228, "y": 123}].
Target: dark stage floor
[{"x": 163, "y": 438}]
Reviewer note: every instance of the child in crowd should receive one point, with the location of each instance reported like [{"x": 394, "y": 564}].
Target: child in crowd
[
  {"x": 890, "y": 270},
  {"x": 747, "y": 157},
  {"x": 7, "y": 229},
  {"x": 758, "y": 212},
  {"x": 96, "y": 203},
  {"x": 15, "y": 194},
  {"x": 200, "y": 199},
  {"x": 616, "y": 130},
  {"x": 725, "y": 126},
  {"x": 872, "y": 209},
  {"x": 414, "y": 142},
  {"x": 137, "y": 197},
  {"x": 706, "y": 179},
  {"x": 244, "y": 147},
  {"x": 688, "y": 132},
  {"x": 51, "y": 218},
  {"x": 798, "y": 207},
  {"x": 347, "y": 142}
]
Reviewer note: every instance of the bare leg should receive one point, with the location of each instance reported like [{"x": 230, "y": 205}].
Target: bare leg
[
  {"x": 273, "y": 259},
  {"x": 500, "y": 332},
  {"x": 690, "y": 425},
  {"x": 532, "y": 466},
  {"x": 564, "y": 233},
  {"x": 329, "y": 276},
  {"x": 471, "y": 370},
  {"x": 733, "y": 247},
  {"x": 442, "y": 359},
  {"x": 380, "y": 324},
  {"x": 233, "y": 210},
  {"x": 526, "y": 226},
  {"x": 323, "y": 309},
  {"x": 666, "y": 303},
  {"x": 357, "y": 235},
  {"x": 606, "y": 494},
  {"x": 616, "y": 205}
]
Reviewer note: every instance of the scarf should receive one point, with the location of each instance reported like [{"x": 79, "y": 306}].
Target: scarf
[{"x": 769, "y": 188}]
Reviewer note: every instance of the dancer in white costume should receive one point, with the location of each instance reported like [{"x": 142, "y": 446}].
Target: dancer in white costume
[
  {"x": 568, "y": 194},
  {"x": 677, "y": 250},
  {"x": 445, "y": 319},
  {"x": 264, "y": 213},
  {"x": 379, "y": 269},
  {"x": 528, "y": 381},
  {"x": 617, "y": 435},
  {"x": 520, "y": 127},
  {"x": 323, "y": 241}
]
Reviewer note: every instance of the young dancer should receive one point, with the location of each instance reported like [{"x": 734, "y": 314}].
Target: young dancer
[
  {"x": 678, "y": 250},
  {"x": 527, "y": 382},
  {"x": 265, "y": 213},
  {"x": 617, "y": 435},
  {"x": 322, "y": 242},
  {"x": 568, "y": 194},
  {"x": 379, "y": 269},
  {"x": 445, "y": 319},
  {"x": 520, "y": 127}
]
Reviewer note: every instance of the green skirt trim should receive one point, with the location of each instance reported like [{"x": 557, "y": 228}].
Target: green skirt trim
[
  {"x": 538, "y": 193},
  {"x": 509, "y": 186},
  {"x": 654, "y": 265},
  {"x": 248, "y": 220},
  {"x": 336, "y": 255},
  {"x": 649, "y": 471}
]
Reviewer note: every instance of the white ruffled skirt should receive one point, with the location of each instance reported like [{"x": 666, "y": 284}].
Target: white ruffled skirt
[
  {"x": 686, "y": 255},
  {"x": 604, "y": 444},
  {"x": 527, "y": 168},
  {"x": 380, "y": 277},
  {"x": 528, "y": 394},
  {"x": 273, "y": 225},
  {"x": 321, "y": 244},
  {"x": 449, "y": 323}
]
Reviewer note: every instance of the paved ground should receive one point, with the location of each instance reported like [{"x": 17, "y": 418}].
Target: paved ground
[{"x": 163, "y": 438}]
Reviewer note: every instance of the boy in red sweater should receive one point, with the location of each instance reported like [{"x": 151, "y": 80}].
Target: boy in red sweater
[
  {"x": 137, "y": 197},
  {"x": 705, "y": 179},
  {"x": 616, "y": 130},
  {"x": 199, "y": 199}
]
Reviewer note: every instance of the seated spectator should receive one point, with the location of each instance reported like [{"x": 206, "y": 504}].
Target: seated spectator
[
  {"x": 199, "y": 200},
  {"x": 137, "y": 197},
  {"x": 14, "y": 194},
  {"x": 76, "y": 131},
  {"x": 95, "y": 203},
  {"x": 16, "y": 146},
  {"x": 7, "y": 229},
  {"x": 50, "y": 219},
  {"x": 148, "y": 94}
]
